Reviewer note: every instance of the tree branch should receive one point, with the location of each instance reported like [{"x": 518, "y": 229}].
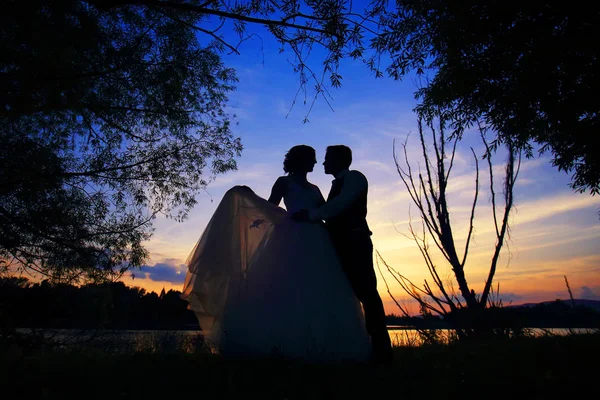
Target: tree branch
[
  {"x": 223, "y": 14},
  {"x": 468, "y": 241},
  {"x": 206, "y": 31},
  {"x": 508, "y": 195},
  {"x": 488, "y": 156}
]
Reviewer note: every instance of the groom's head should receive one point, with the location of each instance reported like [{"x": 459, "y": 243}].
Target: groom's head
[{"x": 337, "y": 159}]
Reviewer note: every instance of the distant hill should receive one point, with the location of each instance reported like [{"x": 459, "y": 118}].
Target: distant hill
[{"x": 594, "y": 304}]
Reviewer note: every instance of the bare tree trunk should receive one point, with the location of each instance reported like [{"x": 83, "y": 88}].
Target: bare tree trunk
[{"x": 428, "y": 191}]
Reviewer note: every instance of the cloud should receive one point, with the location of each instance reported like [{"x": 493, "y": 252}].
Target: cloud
[
  {"x": 536, "y": 240},
  {"x": 542, "y": 209},
  {"x": 506, "y": 273},
  {"x": 378, "y": 166},
  {"x": 587, "y": 293},
  {"x": 168, "y": 271}
]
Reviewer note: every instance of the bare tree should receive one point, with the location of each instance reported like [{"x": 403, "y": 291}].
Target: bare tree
[{"x": 428, "y": 190}]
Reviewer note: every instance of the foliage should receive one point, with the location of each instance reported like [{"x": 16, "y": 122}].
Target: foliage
[
  {"x": 429, "y": 191},
  {"x": 113, "y": 112},
  {"x": 106, "y": 120},
  {"x": 331, "y": 30},
  {"x": 110, "y": 305},
  {"x": 528, "y": 69}
]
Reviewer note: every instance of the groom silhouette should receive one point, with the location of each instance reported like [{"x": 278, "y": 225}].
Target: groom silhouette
[{"x": 345, "y": 215}]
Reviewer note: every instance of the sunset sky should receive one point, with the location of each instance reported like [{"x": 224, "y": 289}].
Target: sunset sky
[{"x": 555, "y": 232}]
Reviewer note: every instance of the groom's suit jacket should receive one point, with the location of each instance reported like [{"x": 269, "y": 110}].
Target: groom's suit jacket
[{"x": 346, "y": 209}]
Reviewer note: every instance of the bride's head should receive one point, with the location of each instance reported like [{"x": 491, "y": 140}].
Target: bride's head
[{"x": 300, "y": 159}]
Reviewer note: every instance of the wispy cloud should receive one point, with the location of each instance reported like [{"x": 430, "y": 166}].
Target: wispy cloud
[
  {"x": 378, "y": 166},
  {"x": 588, "y": 293},
  {"x": 540, "y": 209},
  {"x": 554, "y": 239}
]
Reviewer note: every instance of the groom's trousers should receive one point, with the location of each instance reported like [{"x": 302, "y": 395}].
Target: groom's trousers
[{"x": 355, "y": 252}]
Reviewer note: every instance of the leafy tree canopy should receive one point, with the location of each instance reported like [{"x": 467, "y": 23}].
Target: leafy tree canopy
[
  {"x": 112, "y": 112},
  {"x": 529, "y": 69}
]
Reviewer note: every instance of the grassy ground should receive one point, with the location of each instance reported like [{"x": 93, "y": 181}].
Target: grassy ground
[{"x": 544, "y": 368}]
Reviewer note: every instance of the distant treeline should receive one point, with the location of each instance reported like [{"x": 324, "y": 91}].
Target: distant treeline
[
  {"x": 24, "y": 304},
  {"x": 555, "y": 314},
  {"x": 113, "y": 305}
]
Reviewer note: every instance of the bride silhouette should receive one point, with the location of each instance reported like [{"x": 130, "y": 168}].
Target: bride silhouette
[{"x": 262, "y": 284}]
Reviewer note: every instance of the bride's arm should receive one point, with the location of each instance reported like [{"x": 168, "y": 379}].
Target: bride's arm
[{"x": 278, "y": 190}]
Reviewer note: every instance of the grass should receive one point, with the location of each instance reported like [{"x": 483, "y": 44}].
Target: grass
[{"x": 544, "y": 367}]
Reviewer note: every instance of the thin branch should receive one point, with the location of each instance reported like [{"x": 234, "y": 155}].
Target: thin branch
[
  {"x": 488, "y": 155},
  {"x": 472, "y": 217},
  {"x": 451, "y": 160},
  {"x": 387, "y": 286},
  {"x": 428, "y": 218},
  {"x": 206, "y": 31},
  {"x": 438, "y": 301},
  {"x": 410, "y": 288},
  {"x": 433, "y": 195},
  {"x": 509, "y": 186},
  {"x": 128, "y": 166},
  {"x": 414, "y": 193},
  {"x": 223, "y": 14},
  {"x": 432, "y": 269}
]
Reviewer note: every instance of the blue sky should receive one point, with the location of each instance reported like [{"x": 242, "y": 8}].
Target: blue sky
[{"x": 555, "y": 232}]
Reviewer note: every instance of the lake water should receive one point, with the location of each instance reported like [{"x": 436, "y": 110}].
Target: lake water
[
  {"x": 190, "y": 341},
  {"x": 401, "y": 336}
]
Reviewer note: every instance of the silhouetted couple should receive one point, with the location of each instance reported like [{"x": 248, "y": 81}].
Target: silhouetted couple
[{"x": 265, "y": 281}]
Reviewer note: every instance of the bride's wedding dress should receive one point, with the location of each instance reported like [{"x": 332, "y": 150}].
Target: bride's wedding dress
[{"x": 262, "y": 284}]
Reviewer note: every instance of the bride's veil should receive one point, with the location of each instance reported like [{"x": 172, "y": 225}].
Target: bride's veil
[{"x": 217, "y": 266}]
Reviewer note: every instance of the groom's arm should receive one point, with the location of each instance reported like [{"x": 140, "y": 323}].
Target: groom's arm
[{"x": 355, "y": 183}]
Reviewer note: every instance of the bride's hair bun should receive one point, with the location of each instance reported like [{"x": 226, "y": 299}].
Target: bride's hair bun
[{"x": 297, "y": 157}]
